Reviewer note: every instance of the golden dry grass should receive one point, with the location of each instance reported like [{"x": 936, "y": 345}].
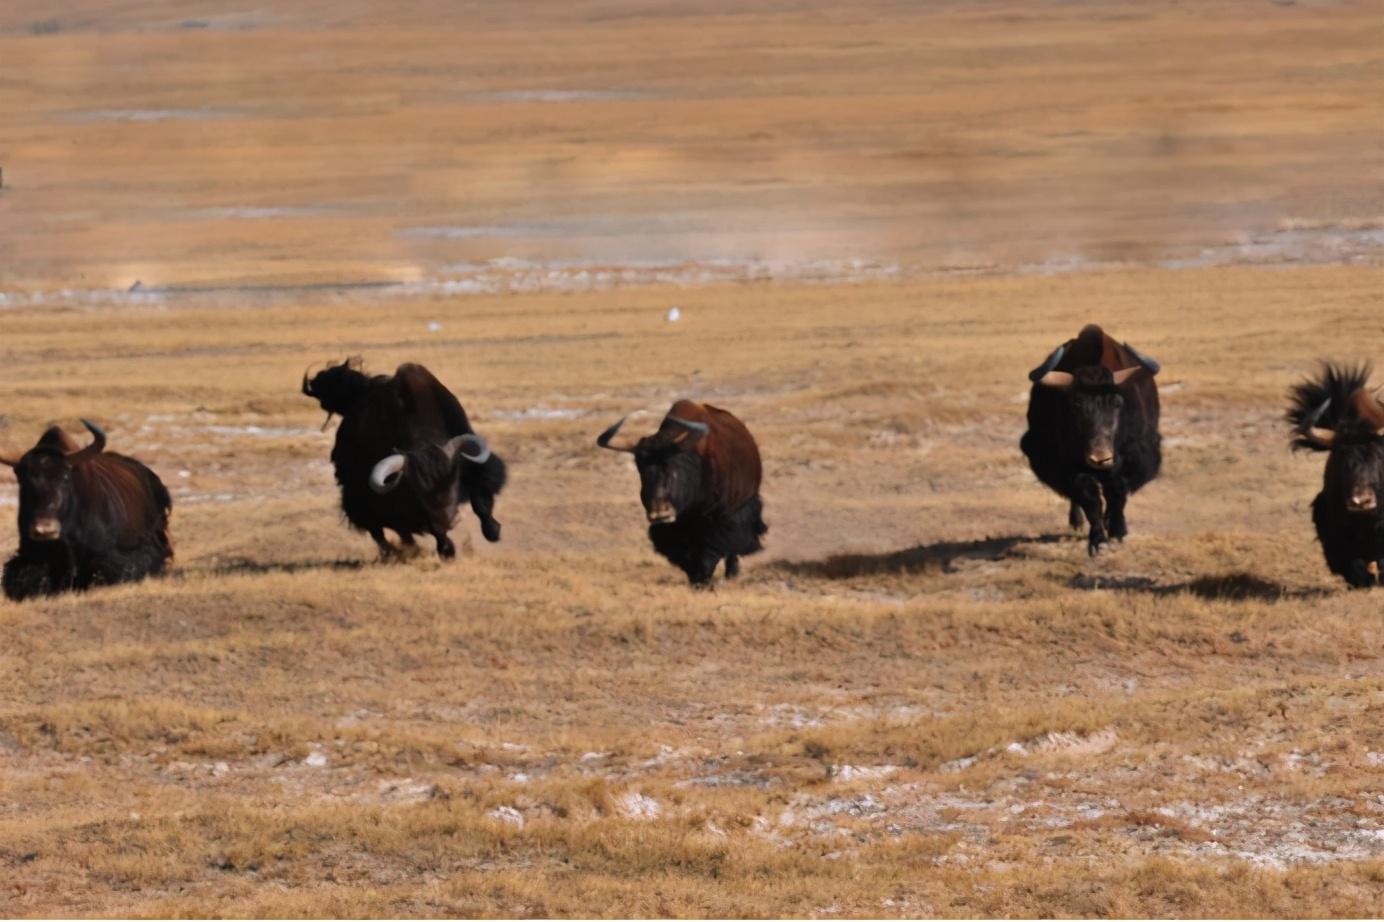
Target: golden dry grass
[{"x": 923, "y": 698}]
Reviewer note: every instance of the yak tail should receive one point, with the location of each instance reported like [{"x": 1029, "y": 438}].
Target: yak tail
[{"x": 1324, "y": 401}]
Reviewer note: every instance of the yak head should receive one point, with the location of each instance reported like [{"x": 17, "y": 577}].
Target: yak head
[
  {"x": 1336, "y": 412},
  {"x": 44, "y": 472},
  {"x": 338, "y": 388},
  {"x": 429, "y": 471},
  {"x": 1095, "y": 397},
  {"x": 670, "y": 467}
]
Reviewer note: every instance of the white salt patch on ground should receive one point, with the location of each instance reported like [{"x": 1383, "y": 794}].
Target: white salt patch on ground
[
  {"x": 316, "y": 759},
  {"x": 635, "y": 806},
  {"x": 507, "y": 815},
  {"x": 539, "y": 412}
]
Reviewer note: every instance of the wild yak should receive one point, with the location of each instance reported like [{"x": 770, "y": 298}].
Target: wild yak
[
  {"x": 699, "y": 477},
  {"x": 1093, "y": 429},
  {"x": 405, "y": 455},
  {"x": 1335, "y": 413},
  {"x": 87, "y": 517}
]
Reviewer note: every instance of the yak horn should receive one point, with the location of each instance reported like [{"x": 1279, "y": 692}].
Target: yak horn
[
  {"x": 98, "y": 442},
  {"x": 10, "y": 460},
  {"x": 1147, "y": 361},
  {"x": 385, "y": 475},
  {"x": 1124, "y": 375},
  {"x": 625, "y": 444},
  {"x": 479, "y": 454},
  {"x": 1318, "y": 435},
  {"x": 1059, "y": 380},
  {"x": 1037, "y": 374},
  {"x": 701, "y": 429}
]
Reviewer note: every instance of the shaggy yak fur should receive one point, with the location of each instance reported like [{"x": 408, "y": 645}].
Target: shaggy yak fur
[
  {"x": 1335, "y": 413},
  {"x": 1093, "y": 429},
  {"x": 87, "y": 517},
  {"x": 699, "y": 478},
  {"x": 412, "y": 421}
]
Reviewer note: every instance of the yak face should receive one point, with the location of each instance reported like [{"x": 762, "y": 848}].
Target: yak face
[
  {"x": 1095, "y": 400},
  {"x": 46, "y": 492},
  {"x": 670, "y": 467},
  {"x": 1336, "y": 412},
  {"x": 338, "y": 388},
  {"x": 1096, "y": 403},
  {"x": 1355, "y": 475},
  {"x": 670, "y": 478}
]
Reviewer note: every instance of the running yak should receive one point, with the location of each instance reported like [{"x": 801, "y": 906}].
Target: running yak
[
  {"x": 406, "y": 456},
  {"x": 1093, "y": 429},
  {"x": 699, "y": 477},
  {"x": 1336, "y": 413},
  {"x": 87, "y": 517}
]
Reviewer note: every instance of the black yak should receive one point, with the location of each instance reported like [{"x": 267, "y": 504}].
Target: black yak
[
  {"x": 1093, "y": 429},
  {"x": 1336, "y": 413},
  {"x": 406, "y": 456},
  {"x": 699, "y": 478},
  {"x": 87, "y": 517}
]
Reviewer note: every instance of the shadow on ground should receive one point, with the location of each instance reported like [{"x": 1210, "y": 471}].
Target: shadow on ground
[
  {"x": 235, "y": 566},
  {"x": 941, "y": 556},
  {"x": 1234, "y": 587}
]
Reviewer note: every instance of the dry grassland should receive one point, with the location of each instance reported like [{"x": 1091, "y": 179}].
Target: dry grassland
[{"x": 923, "y": 698}]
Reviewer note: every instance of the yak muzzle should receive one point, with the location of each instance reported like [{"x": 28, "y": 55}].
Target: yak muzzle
[
  {"x": 1101, "y": 459},
  {"x": 45, "y": 530},
  {"x": 1362, "y": 501},
  {"x": 662, "y": 512}
]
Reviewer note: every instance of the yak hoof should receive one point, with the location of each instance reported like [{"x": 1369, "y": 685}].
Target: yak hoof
[
  {"x": 446, "y": 549},
  {"x": 491, "y": 530}
]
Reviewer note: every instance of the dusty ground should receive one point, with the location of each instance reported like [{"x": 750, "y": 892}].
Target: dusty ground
[{"x": 923, "y": 698}]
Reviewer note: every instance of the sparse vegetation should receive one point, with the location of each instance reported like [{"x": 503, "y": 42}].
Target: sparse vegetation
[{"x": 922, "y": 699}]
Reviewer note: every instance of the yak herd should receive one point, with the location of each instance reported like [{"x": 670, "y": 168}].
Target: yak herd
[{"x": 406, "y": 459}]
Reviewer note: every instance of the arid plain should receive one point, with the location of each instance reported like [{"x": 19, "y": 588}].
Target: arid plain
[{"x": 923, "y": 698}]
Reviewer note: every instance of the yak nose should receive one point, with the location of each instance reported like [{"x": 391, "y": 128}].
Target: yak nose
[
  {"x": 45, "y": 530},
  {"x": 1363, "y": 501},
  {"x": 662, "y": 512},
  {"x": 1101, "y": 459}
]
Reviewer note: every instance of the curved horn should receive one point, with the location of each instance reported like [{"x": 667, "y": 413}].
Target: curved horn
[
  {"x": 1037, "y": 374},
  {"x": 10, "y": 460},
  {"x": 387, "y": 474},
  {"x": 98, "y": 442},
  {"x": 479, "y": 451},
  {"x": 1317, "y": 434},
  {"x": 307, "y": 390},
  {"x": 1060, "y": 380},
  {"x": 605, "y": 439},
  {"x": 700, "y": 429},
  {"x": 1147, "y": 361},
  {"x": 1125, "y": 375}
]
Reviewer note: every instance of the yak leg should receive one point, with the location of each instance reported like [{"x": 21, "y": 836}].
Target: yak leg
[
  {"x": 701, "y": 566},
  {"x": 1088, "y": 495},
  {"x": 483, "y": 507},
  {"x": 387, "y": 550},
  {"x": 1116, "y": 495},
  {"x": 1360, "y": 575},
  {"x": 1074, "y": 517},
  {"x": 445, "y": 548},
  {"x": 732, "y": 566}
]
